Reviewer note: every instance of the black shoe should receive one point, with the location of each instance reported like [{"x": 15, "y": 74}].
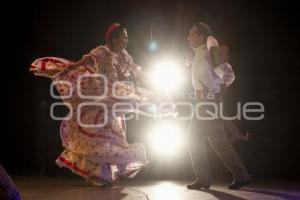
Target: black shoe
[
  {"x": 238, "y": 184},
  {"x": 197, "y": 184}
]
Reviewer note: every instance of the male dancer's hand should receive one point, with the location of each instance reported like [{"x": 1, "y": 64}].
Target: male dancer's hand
[{"x": 199, "y": 94}]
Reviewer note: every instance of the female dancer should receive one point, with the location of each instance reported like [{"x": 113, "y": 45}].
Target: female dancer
[{"x": 101, "y": 154}]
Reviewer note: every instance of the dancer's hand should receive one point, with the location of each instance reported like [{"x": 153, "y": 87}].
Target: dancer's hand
[{"x": 199, "y": 94}]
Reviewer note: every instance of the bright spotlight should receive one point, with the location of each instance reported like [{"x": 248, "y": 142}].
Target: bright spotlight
[
  {"x": 166, "y": 139},
  {"x": 153, "y": 46},
  {"x": 166, "y": 74}
]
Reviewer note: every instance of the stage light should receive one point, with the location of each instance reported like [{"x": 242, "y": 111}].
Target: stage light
[
  {"x": 166, "y": 139},
  {"x": 153, "y": 46},
  {"x": 166, "y": 74}
]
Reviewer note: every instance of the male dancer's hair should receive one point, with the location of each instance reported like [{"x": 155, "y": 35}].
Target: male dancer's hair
[{"x": 203, "y": 29}]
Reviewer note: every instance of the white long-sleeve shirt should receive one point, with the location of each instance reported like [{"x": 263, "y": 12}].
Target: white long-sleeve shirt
[{"x": 205, "y": 76}]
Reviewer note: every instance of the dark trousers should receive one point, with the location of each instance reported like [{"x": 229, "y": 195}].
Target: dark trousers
[{"x": 212, "y": 130}]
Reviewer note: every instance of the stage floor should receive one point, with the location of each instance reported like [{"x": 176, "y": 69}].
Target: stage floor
[{"x": 36, "y": 188}]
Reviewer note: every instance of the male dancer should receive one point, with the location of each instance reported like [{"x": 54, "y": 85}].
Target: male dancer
[{"x": 208, "y": 85}]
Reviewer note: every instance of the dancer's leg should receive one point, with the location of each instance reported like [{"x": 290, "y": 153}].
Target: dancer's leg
[
  {"x": 226, "y": 152},
  {"x": 197, "y": 149}
]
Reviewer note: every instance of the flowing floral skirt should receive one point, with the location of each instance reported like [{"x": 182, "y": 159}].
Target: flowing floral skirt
[{"x": 94, "y": 131}]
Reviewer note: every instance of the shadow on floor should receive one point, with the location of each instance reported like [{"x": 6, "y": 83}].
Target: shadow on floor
[
  {"x": 277, "y": 194},
  {"x": 222, "y": 195}
]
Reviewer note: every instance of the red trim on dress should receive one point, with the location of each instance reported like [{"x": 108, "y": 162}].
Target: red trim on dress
[{"x": 73, "y": 166}]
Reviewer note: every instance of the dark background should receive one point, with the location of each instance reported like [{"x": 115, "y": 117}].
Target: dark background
[{"x": 263, "y": 37}]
